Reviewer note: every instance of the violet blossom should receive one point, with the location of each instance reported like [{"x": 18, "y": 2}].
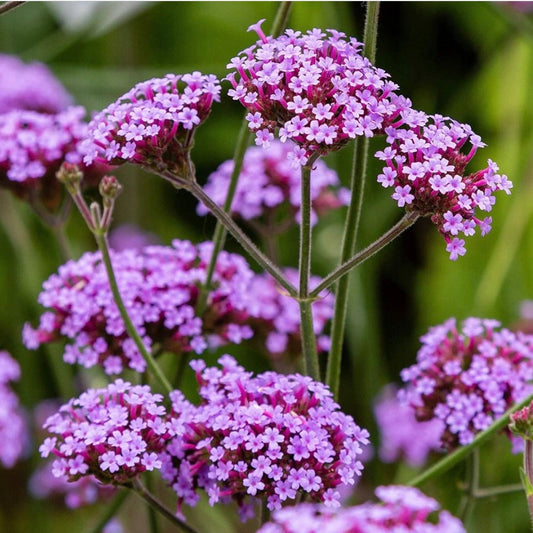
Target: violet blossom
[
  {"x": 399, "y": 508},
  {"x": 114, "y": 434},
  {"x": 468, "y": 377},
  {"x": 269, "y": 437},
  {"x": 317, "y": 88},
  {"x": 426, "y": 168},
  {"x": 160, "y": 287}
]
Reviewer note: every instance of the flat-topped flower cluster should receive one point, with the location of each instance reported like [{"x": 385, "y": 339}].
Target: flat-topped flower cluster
[
  {"x": 467, "y": 377},
  {"x": 268, "y": 436}
]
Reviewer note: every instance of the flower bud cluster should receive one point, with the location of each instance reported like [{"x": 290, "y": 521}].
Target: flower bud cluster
[
  {"x": 317, "y": 88},
  {"x": 400, "y": 508},
  {"x": 30, "y": 86},
  {"x": 426, "y": 165},
  {"x": 114, "y": 434},
  {"x": 13, "y": 428},
  {"x": 269, "y": 188},
  {"x": 468, "y": 377},
  {"x": 159, "y": 286},
  {"x": 271, "y": 436},
  {"x": 153, "y": 123}
]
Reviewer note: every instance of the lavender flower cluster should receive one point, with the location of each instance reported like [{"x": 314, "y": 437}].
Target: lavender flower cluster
[
  {"x": 114, "y": 434},
  {"x": 468, "y": 377},
  {"x": 30, "y": 86},
  {"x": 427, "y": 168},
  {"x": 269, "y": 436},
  {"x": 269, "y": 188},
  {"x": 13, "y": 429},
  {"x": 160, "y": 288},
  {"x": 317, "y": 88},
  {"x": 400, "y": 508},
  {"x": 153, "y": 123},
  {"x": 397, "y": 426}
]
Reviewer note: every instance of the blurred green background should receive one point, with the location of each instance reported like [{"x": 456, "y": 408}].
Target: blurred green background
[{"x": 469, "y": 60}]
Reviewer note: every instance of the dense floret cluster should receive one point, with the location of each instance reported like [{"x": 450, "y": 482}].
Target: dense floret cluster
[
  {"x": 153, "y": 123},
  {"x": 13, "y": 427},
  {"x": 397, "y": 425},
  {"x": 269, "y": 189},
  {"x": 113, "y": 434},
  {"x": 468, "y": 377},
  {"x": 401, "y": 509},
  {"x": 30, "y": 86},
  {"x": 317, "y": 88},
  {"x": 271, "y": 436},
  {"x": 160, "y": 286},
  {"x": 426, "y": 165}
]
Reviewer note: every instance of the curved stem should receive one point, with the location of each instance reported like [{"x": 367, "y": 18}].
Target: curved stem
[
  {"x": 149, "y": 498},
  {"x": 101, "y": 240},
  {"x": 241, "y": 237},
  {"x": 110, "y": 512},
  {"x": 353, "y": 216},
  {"x": 405, "y": 222},
  {"x": 311, "y": 366},
  {"x": 458, "y": 455}
]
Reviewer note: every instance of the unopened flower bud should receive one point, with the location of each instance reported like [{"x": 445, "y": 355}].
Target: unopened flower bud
[
  {"x": 109, "y": 188},
  {"x": 522, "y": 422},
  {"x": 70, "y": 175}
]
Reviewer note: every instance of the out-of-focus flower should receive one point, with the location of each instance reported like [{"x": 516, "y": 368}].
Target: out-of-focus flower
[
  {"x": 114, "y": 434},
  {"x": 426, "y": 166},
  {"x": 400, "y": 508},
  {"x": 130, "y": 237},
  {"x": 153, "y": 124},
  {"x": 269, "y": 188},
  {"x": 160, "y": 287},
  {"x": 397, "y": 426},
  {"x": 317, "y": 88},
  {"x": 30, "y": 86},
  {"x": 271, "y": 436},
  {"x": 13, "y": 427},
  {"x": 468, "y": 377}
]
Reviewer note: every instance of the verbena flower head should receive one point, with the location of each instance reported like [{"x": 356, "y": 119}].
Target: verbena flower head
[
  {"x": 316, "y": 87},
  {"x": 114, "y": 434},
  {"x": 271, "y": 436},
  {"x": 153, "y": 124},
  {"x": 13, "y": 428},
  {"x": 269, "y": 188},
  {"x": 34, "y": 145},
  {"x": 426, "y": 166},
  {"x": 400, "y": 509},
  {"x": 397, "y": 426},
  {"x": 159, "y": 286},
  {"x": 467, "y": 377},
  {"x": 275, "y": 316},
  {"x": 30, "y": 86}
]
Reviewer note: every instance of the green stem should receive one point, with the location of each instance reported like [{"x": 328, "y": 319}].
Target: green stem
[
  {"x": 351, "y": 224},
  {"x": 405, "y": 222},
  {"x": 490, "y": 492},
  {"x": 101, "y": 240},
  {"x": 241, "y": 237},
  {"x": 159, "y": 507},
  {"x": 471, "y": 487},
  {"x": 461, "y": 453},
  {"x": 281, "y": 18},
  {"x": 310, "y": 355},
  {"x": 110, "y": 511},
  {"x": 152, "y": 516}
]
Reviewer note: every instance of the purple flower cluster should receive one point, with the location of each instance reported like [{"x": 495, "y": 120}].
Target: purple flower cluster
[
  {"x": 153, "y": 123},
  {"x": 397, "y": 425},
  {"x": 401, "y": 509},
  {"x": 13, "y": 428},
  {"x": 33, "y": 146},
  {"x": 426, "y": 165},
  {"x": 468, "y": 377},
  {"x": 270, "y": 186},
  {"x": 160, "y": 286},
  {"x": 275, "y": 317},
  {"x": 113, "y": 434},
  {"x": 30, "y": 86},
  {"x": 316, "y": 87},
  {"x": 271, "y": 436}
]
